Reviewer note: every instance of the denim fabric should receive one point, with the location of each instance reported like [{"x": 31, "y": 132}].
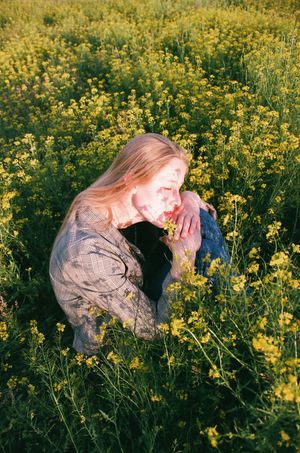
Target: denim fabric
[{"x": 213, "y": 246}]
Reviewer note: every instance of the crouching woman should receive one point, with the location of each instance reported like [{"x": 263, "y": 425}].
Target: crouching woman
[{"x": 110, "y": 253}]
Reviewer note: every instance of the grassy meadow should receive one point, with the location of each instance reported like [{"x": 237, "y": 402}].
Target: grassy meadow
[{"x": 78, "y": 79}]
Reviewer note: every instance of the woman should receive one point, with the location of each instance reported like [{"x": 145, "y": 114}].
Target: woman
[{"x": 97, "y": 264}]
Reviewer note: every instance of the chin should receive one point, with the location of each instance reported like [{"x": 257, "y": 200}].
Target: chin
[{"x": 157, "y": 222}]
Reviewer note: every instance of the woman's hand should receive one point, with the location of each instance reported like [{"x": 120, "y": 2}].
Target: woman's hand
[{"x": 187, "y": 218}]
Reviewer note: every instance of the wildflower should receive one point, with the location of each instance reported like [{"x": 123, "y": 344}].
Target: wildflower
[
  {"x": 213, "y": 267},
  {"x": 279, "y": 259},
  {"x": 296, "y": 248},
  {"x": 12, "y": 382},
  {"x": 261, "y": 324},
  {"x": 39, "y": 337},
  {"x": 3, "y": 331},
  {"x": 267, "y": 345},
  {"x": 214, "y": 372},
  {"x": 285, "y": 319},
  {"x": 60, "y": 327},
  {"x": 79, "y": 358},
  {"x": 170, "y": 227},
  {"x": 253, "y": 268},
  {"x": 273, "y": 230},
  {"x": 155, "y": 397},
  {"x": 171, "y": 360},
  {"x": 92, "y": 361},
  {"x": 164, "y": 327},
  {"x": 238, "y": 283},
  {"x": 57, "y": 387},
  {"x": 284, "y": 439},
  {"x": 205, "y": 338},
  {"x": 288, "y": 391},
  {"x": 177, "y": 325},
  {"x": 213, "y": 434},
  {"x": 136, "y": 364},
  {"x": 114, "y": 358},
  {"x": 64, "y": 352}
]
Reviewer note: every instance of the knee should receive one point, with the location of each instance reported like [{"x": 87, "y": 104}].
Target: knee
[{"x": 209, "y": 227}]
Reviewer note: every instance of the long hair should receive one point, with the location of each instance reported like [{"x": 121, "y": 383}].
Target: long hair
[{"x": 141, "y": 158}]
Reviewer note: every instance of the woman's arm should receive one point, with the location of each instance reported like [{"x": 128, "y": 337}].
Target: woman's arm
[{"x": 100, "y": 279}]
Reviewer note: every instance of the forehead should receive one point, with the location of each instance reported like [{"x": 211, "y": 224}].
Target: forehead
[{"x": 174, "y": 171}]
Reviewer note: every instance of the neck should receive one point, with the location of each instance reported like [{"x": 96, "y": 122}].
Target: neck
[{"x": 124, "y": 213}]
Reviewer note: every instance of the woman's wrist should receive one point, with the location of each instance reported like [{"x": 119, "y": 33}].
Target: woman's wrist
[
  {"x": 182, "y": 264},
  {"x": 191, "y": 197}
]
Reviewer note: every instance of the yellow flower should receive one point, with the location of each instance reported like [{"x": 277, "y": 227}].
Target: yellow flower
[
  {"x": 213, "y": 434},
  {"x": 253, "y": 268},
  {"x": 155, "y": 397},
  {"x": 39, "y": 337},
  {"x": 91, "y": 361},
  {"x": 12, "y": 382},
  {"x": 289, "y": 391},
  {"x": 261, "y": 324},
  {"x": 136, "y": 364},
  {"x": 279, "y": 259},
  {"x": 164, "y": 327},
  {"x": 285, "y": 319},
  {"x": 3, "y": 331},
  {"x": 267, "y": 345},
  {"x": 170, "y": 227},
  {"x": 284, "y": 436},
  {"x": 273, "y": 230},
  {"x": 214, "y": 373},
  {"x": 177, "y": 325},
  {"x": 60, "y": 327},
  {"x": 114, "y": 358},
  {"x": 296, "y": 248},
  {"x": 79, "y": 358},
  {"x": 65, "y": 351},
  {"x": 238, "y": 283},
  {"x": 214, "y": 266}
]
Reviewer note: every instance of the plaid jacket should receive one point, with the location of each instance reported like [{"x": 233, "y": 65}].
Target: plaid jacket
[{"x": 92, "y": 271}]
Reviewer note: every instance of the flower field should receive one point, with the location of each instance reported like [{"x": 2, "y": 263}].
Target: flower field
[{"x": 78, "y": 79}]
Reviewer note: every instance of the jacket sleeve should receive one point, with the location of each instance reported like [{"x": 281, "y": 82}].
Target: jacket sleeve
[{"x": 100, "y": 278}]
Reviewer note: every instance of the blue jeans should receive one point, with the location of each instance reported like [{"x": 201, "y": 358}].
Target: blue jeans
[{"x": 213, "y": 246}]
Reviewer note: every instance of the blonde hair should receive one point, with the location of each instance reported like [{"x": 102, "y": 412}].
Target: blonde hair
[{"x": 141, "y": 158}]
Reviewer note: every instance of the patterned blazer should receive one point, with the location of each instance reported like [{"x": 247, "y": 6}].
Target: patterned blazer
[{"x": 92, "y": 271}]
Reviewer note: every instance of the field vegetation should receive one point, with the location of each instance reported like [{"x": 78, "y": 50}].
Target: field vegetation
[{"x": 78, "y": 79}]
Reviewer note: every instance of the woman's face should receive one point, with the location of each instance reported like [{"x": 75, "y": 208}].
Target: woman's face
[{"x": 158, "y": 198}]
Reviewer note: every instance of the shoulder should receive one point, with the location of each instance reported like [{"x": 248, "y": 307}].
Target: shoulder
[{"x": 81, "y": 237}]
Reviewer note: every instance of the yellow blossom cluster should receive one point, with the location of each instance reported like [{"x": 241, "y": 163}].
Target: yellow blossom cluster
[
  {"x": 3, "y": 331},
  {"x": 268, "y": 346},
  {"x": 38, "y": 336},
  {"x": 136, "y": 364},
  {"x": 289, "y": 391},
  {"x": 213, "y": 436}
]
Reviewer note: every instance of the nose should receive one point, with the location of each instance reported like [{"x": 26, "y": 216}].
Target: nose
[{"x": 177, "y": 200}]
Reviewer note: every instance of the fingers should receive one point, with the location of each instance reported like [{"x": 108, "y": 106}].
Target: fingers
[{"x": 185, "y": 225}]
